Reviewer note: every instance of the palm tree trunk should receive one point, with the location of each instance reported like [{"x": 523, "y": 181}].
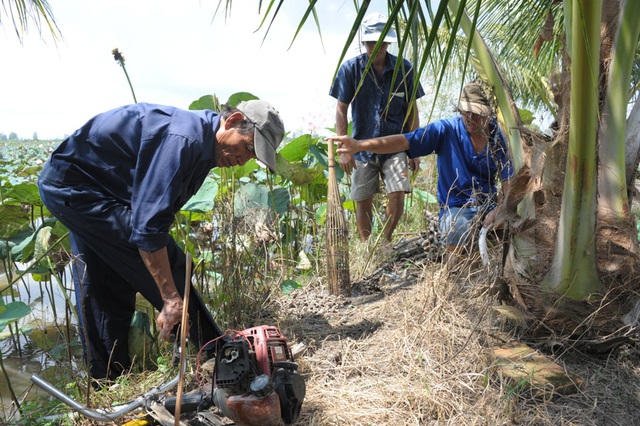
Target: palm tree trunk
[
  {"x": 613, "y": 204},
  {"x": 574, "y": 270}
]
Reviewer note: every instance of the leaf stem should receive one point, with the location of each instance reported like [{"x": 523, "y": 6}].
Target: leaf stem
[{"x": 117, "y": 55}]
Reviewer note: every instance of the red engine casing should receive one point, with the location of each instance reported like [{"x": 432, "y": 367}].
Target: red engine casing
[
  {"x": 270, "y": 347},
  {"x": 255, "y": 381}
]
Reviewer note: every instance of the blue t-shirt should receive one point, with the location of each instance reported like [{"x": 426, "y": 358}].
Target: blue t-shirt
[
  {"x": 463, "y": 175},
  {"x": 150, "y": 158},
  {"x": 371, "y": 113}
]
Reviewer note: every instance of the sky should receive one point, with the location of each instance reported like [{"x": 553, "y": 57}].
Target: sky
[{"x": 175, "y": 52}]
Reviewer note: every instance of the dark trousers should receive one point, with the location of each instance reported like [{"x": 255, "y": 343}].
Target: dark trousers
[{"x": 108, "y": 272}]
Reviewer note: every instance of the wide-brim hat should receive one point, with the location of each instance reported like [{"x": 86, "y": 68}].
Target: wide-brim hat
[
  {"x": 473, "y": 99},
  {"x": 269, "y": 130},
  {"x": 372, "y": 26}
]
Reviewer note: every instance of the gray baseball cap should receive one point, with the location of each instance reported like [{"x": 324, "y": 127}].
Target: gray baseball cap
[{"x": 269, "y": 130}]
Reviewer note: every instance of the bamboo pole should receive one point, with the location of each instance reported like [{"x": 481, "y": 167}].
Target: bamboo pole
[{"x": 184, "y": 326}]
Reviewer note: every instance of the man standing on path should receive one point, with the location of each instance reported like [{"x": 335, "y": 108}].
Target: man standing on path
[
  {"x": 377, "y": 109},
  {"x": 116, "y": 184}
]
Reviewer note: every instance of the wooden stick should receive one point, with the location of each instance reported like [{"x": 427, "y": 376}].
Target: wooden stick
[{"x": 183, "y": 339}]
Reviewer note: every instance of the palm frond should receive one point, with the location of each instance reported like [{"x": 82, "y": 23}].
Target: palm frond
[{"x": 23, "y": 13}]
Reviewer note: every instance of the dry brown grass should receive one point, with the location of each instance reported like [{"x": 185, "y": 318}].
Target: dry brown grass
[{"x": 410, "y": 349}]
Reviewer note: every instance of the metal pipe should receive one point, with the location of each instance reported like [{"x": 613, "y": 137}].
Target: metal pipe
[{"x": 97, "y": 415}]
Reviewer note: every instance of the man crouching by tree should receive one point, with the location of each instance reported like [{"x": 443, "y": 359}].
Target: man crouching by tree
[{"x": 471, "y": 156}]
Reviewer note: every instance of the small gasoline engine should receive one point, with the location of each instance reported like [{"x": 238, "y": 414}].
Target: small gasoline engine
[{"x": 255, "y": 381}]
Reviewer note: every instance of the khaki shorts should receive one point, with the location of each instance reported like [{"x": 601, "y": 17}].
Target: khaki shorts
[{"x": 365, "y": 179}]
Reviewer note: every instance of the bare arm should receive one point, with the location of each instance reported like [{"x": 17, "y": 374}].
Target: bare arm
[
  {"x": 342, "y": 125},
  {"x": 157, "y": 263},
  {"x": 381, "y": 145},
  {"x": 347, "y": 162}
]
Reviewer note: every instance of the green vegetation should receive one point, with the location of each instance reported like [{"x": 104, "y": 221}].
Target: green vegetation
[
  {"x": 569, "y": 248},
  {"x": 568, "y": 209},
  {"x": 246, "y": 230}
]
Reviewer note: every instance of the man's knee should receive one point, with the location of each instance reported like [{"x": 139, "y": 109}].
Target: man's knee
[
  {"x": 456, "y": 225},
  {"x": 364, "y": 206}
]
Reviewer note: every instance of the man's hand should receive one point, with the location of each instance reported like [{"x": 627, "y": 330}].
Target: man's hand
[
  {"x": 170, "y": 315},
  {"x": 157, "y": 263},
  {"x": 414, "y": 164},
  {"x": 489, "y": 219},
  {"x": 347, "y": 162},
  {"x": 345, "y": 144}
]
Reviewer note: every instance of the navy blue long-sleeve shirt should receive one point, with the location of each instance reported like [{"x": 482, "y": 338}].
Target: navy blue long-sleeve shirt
[{"x": 149, "y": 158}]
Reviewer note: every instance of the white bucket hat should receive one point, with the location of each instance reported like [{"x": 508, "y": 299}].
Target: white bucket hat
[{"x": 372, "y": 26}]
